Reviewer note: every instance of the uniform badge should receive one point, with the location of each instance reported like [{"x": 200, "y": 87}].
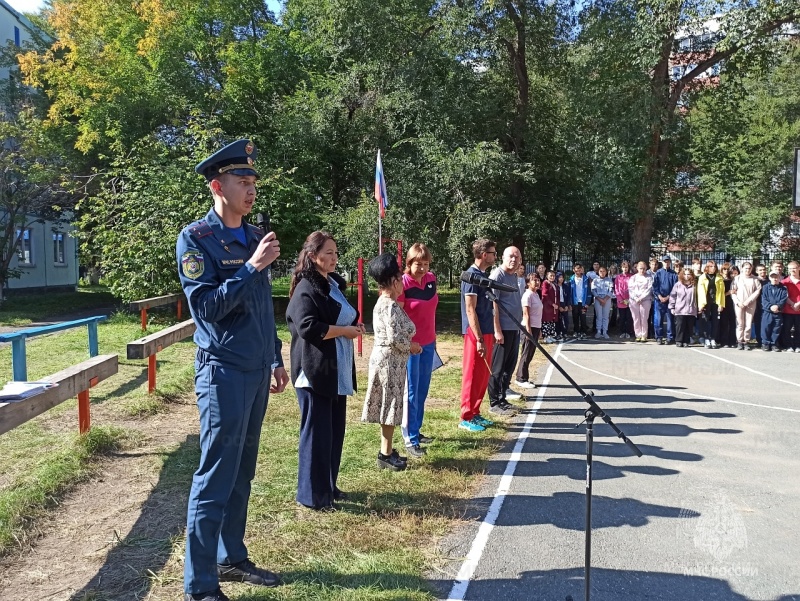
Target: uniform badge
[
  {"x": 192, "y": 264},
  {"x": 249, "y": 148}
]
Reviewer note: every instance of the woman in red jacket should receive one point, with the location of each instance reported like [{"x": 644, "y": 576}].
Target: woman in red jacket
[{"x": 549, "y": 307}]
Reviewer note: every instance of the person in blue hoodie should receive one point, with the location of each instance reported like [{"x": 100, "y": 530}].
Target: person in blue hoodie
[
  {"x": 663, "y": 281},
  {"x": 579, "y": 285},
  {"x": 773, "y": 296}
]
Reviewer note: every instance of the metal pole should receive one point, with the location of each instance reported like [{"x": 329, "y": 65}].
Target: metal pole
[
  {"x": 84, "y": 417},
  {"x": 93, "y": 346},
  {"x": 588, "y": 550},
  {"x": 151, "y": 373},
  {"x": 360, "y": 302},
  {"x": 19, "y": 362}
]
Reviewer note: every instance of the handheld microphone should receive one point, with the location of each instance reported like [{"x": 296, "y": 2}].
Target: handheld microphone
[
  {"x": 262, "y": 222},
  {"x": 476, "y": 279}
]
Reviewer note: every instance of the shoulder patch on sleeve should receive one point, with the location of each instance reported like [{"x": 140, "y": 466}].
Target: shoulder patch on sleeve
[
  {"x": 192, "y": 263},
  {"x": 201, "y": 230}
]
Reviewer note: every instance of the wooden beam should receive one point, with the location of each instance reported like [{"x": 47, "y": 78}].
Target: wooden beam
[
  {"x": 150, "y": 345},
  {"x": 71, "y": 381},
  {"x": 156, "y": 301}
]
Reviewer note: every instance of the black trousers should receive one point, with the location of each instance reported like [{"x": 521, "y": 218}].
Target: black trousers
[
  {"x": 789, "y": 338},
  {"x": 578, "y": 319},
  {"x": 504, "y": 360},
  {"x": 528, "y": 350},
  {"x": 684, "y": 326},
  {"x": 709, "y": 323},
  {"x": 625, "y": 321},
  {"x": 757, "y": 322},
  {"x": 322, "y": 421}
]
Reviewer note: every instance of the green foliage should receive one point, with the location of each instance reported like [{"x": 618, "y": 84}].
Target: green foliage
[
  {"x": 535, "y": 123},
  {"x": 744, "y": 160}
]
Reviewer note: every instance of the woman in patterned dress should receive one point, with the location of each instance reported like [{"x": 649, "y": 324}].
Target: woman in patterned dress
[{"x": 384, "y": 401}]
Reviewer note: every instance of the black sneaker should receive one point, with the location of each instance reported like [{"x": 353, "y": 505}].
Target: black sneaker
[
  {"x": 246, "y": 571},
  {"x": 391, "y": 462},
  {"x": 500, "y": 410},
  {"x": 425, "y": 439},
  {"x": 416, "y": 451},
  {"x": 216, "y": 595}
]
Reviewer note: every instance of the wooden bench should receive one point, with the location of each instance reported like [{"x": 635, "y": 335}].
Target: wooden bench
[
  {"x": 73, "y": 381},
  {"x": 157, "y": 301},
  {"x": 152, "y": 344}
]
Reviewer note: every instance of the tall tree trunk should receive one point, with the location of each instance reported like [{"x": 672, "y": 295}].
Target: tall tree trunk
[{"x": 547, "y": 253}]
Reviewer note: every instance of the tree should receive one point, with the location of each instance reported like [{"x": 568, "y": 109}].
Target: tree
[
  {"x": 744, "y": 161},
  {"x": 641, "y": 40}
]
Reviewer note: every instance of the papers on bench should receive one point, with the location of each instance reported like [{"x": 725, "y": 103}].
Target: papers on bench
[{"x": 17, "y": 391}]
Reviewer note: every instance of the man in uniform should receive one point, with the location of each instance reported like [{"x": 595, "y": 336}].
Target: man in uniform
[{"x": 223, "y": 266}]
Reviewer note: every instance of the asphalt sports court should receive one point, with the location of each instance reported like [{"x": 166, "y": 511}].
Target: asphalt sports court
[{"x": 710, "y": 511}]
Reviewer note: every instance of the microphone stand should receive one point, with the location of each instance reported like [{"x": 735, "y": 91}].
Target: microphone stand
[{"x": 589, "y": 415}]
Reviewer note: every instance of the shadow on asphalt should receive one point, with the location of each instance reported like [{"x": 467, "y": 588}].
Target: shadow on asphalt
[{"x": 607, "y": 585}]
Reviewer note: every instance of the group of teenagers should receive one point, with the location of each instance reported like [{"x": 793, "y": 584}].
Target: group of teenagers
[{"x": 716, "y": 306}]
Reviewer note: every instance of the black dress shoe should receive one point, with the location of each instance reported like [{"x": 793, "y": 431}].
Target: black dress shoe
[
  {"x": 216, "y": 595},
  {"x": 425, "y": 439},
  {"x": 246, "y": 571},
  {"x": 340, "y": 495}
]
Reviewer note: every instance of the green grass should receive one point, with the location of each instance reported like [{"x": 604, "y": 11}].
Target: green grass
[
  {"x": 52, "y": 470},
  {"x": 23, "y": 310}
]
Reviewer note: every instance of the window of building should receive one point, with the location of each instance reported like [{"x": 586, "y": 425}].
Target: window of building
[
  {"x": 25, "y": 248},
  {"x": 685, "y": 44},
  {"x": 59, "y": 254},
  {"x": 677, "y": 72},
  {"x": 794, "y": 229},
  {"x": 16, "y": 36}
]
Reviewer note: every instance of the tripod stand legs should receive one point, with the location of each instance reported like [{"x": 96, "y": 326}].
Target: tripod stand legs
[{"x": 588, "y": 559}]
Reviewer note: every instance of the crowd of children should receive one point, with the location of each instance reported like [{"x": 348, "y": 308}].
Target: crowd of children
[{"x": 717, "y": 307}]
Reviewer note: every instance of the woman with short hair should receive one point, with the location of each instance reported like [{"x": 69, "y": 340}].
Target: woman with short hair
[
  {"x": 419, "y": 300},
  {"x": 392, "y": 346}
]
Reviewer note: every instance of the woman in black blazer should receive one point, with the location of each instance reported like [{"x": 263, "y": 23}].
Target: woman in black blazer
[{"x": 323, "y": 325}]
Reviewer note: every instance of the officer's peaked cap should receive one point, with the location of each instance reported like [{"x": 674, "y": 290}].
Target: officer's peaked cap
[{"x": 237, "y": 158}]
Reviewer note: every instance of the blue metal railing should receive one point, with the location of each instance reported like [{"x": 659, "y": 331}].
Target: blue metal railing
[{"x": 19, "y": 362}]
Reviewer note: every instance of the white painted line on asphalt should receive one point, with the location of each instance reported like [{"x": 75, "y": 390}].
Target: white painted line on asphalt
[
  {"x": 673, "y": 391},
  {"x": 760, "y": 373},
  {"x": 459, "y": 590}
]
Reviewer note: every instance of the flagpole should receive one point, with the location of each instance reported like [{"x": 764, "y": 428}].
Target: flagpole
[{"x": 380, "y": 234}]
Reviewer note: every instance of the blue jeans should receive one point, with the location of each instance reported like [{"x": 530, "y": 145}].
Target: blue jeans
[
  {"x": 232, "y": 404},
  {"x": 659, "y": 310},
  {"x": 419, "y": 382}
]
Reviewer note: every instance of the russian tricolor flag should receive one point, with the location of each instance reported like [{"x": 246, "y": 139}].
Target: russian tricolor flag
[{"x": 380, "y": 187}]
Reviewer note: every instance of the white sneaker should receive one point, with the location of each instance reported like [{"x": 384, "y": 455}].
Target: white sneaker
[
  {"x": 524, "y": 384},
  {"x": 708, "y": 344},
  {"x": 512, "y": 396},
  {"x": 549, "y": 340}
]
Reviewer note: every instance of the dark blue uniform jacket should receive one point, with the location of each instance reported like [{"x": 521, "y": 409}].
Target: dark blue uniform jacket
[{"x": 230, "y": 301}]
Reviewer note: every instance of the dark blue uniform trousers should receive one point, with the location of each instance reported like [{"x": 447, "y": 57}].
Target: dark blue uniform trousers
[
  {"x": 232, "y": 404},
  {"x": 771, "y": 325},
  {"x": 322, "y": 422}
]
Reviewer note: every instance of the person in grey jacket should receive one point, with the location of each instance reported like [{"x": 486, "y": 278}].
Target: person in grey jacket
[{"x": 683, "y": 305}]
